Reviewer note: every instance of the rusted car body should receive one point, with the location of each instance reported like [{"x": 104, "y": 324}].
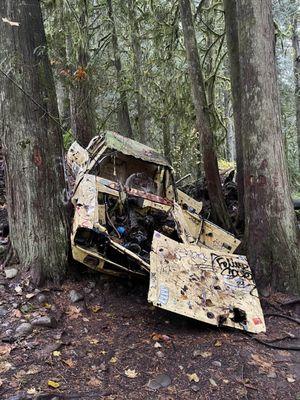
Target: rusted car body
[{"x": 129, "y": 218}]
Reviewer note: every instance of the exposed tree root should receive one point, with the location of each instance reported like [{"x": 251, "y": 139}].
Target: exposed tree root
[{"x": 296, "y": 320}]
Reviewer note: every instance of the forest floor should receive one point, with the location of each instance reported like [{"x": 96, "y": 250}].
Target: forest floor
[{"x": 112, "y": 344}]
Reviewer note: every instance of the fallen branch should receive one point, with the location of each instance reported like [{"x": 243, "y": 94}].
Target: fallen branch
[{"x": 297, "y": 320}]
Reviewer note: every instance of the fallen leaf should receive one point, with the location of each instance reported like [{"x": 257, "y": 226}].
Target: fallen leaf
[
  {"x": 213, "y": 382},
  {"x": 18, "y": 290},
  {"x": 5, "y": 366},
  {"x": 218, "y": 343},
  {"x": 16, "y": 313},
  {"x": 69, "y": 362},
  {"x": 34, "y": 370},
  {"x": 95, "y": 309},
  {"x": 47, "y": 305},
  {"x": 290, "y": 379},
  {"x": 103, "y": 352},
  {"x": 206, "y": 354},
  {"x": 1, "y": 382},
  {"x": 11, "y": 23},
  {"x": 5, "y": 349},
  {"x": 157, "y": 337},
  {"x": 32, "y": 391},
  {"x": 94, "y": 382},
  {"x": 73, "y": 312},
  {"x": 56, "y": 353},
  {"x": 131, "y": 373},
  {"x": 193, "y": 377},
  {"x": 94, "y": 341},
  {"x": 113, "y": 360},
  {"x": 53, "y": 384},
  {"x": 157, "y": 345},
  {"x": 263, "y": 363},
  {"x": 30, "y": 296}
]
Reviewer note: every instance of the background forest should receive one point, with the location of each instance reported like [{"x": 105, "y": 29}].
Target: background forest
[
  {"x": 123, "y": 64},
  {"x": 214, "y": 85}
]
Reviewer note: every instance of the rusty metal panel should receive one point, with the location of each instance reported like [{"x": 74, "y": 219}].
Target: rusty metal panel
[
  {"x": 217, "y": 238},
  {"x": 186, "y": 201},
  {"x": 209, "y": 286}
]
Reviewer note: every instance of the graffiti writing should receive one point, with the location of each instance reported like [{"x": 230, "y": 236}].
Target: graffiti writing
[{"x": 232, "y": 267}]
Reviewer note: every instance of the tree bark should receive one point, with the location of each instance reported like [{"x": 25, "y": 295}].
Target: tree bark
[
  {"x": 296, "y": 48},
  {"x": 137, "y": 69},
  {"x": 230, "y": 155},
  {"x": 233, "y": 53},
  {"x": 123, "y": 112},
  {"x": 82, "y": 102},
  {"x": 36, "y": 187},
  {"x": 271, "y": 232},
  {"x": 202, "y": 118}
]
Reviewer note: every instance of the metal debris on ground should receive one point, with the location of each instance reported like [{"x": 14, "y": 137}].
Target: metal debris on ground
[{"x": 130, "y": 218}]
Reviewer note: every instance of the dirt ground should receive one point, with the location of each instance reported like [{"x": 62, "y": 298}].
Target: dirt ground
[{"x": 112, "y": 344}]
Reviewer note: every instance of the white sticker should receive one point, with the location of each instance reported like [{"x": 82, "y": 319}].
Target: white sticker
[{"x": 163, "y": 295}]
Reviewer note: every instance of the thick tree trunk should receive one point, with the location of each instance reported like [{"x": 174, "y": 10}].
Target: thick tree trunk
[
  {"x": 36, "y": 191},
  {"x": 202, "y": 117},
  {"x": 271, "y": 230},
  {"x": 123, "y": 112},
  {"x": 296, "y": 47},
  {"x": 82, "y": 101},
  {"x": 233, "y": 53},
  {"x": 137, "y": 69},
  {"x": 82, "y": 104}
]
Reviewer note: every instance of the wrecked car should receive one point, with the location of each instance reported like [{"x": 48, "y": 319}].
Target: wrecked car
[{"x": 129, "y": 218}]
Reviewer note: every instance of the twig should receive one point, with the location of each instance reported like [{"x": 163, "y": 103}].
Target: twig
[
  {"x": 275, "y": 346},
  {"x": 297, "y": 320}
]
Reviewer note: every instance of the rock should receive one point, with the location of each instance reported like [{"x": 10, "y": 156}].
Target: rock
[
  {"x": 2, "y": 249},
  {"x": 161, "y": 381},
  {"x": 197, "y": 353},
  {"x": 41, "y": 298},
  {"x": 272, "y": 375},
  {"x": 160, "y": 354},
  {"x": 8, "y": 336},
  {"x": 25, "y": 308},
  {"x": 195, "y": 388},
  {"x": 217, "y": 363},
  {"x": 3, "y": 311},
  {"x": 103, "y": 367},
  {"x": 24, "y": 329},
  {"x": 11, "y": 273},
  {"x": 2, "y": 288},
  {"x": 47, "y": 322},
  {"x": 75, "y": 296},
  {"x": 92, "y": 284}
]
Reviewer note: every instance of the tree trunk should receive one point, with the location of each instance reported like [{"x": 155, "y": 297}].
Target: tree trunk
[
  {"x": 202, "y": 118},
  {"x": 36, "y": 190},
  {"x": 82, "y": 102},
  {"x": 137, "y": 69},
  {"x": 63, "y": 102},
  {"x": 296, "y": 48},
  {"x": 229, "y": 150},
  {"x": 271, "y": 232},
  {"x": 123, "y": 112},
  {"x": 233, "y": 53}
]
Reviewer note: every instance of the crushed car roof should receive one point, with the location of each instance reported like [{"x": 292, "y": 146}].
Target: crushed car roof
[{"x": 133, "y": 148}]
